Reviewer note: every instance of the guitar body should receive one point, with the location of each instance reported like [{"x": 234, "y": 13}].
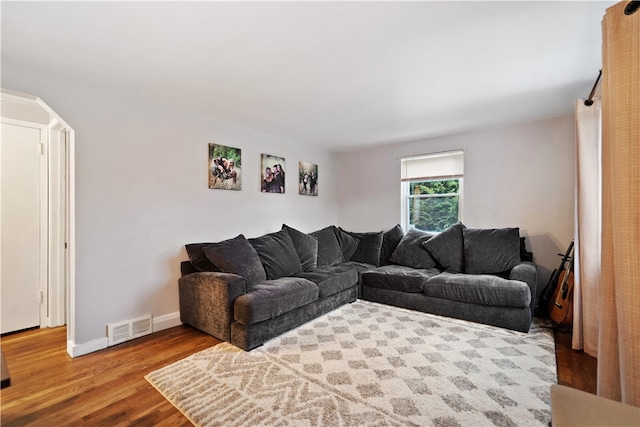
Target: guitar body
[
  {"x": 548, "y": 294},
  {"x": 561, "y": 303}
]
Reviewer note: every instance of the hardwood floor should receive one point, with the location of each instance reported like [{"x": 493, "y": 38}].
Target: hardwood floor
[{"x": 107, "y": 388}]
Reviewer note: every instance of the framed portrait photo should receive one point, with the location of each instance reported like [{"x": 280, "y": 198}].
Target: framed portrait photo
[
  {"x": 307, "y": 179},
  {"x": 225, "y": 167},
  {"x": 272, "y": 174}
]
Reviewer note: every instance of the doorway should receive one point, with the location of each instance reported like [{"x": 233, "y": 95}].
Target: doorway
[{"x": 36, "y": 215}]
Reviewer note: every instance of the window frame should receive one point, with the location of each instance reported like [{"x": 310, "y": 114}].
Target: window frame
[{"x": 405, "y": 195}]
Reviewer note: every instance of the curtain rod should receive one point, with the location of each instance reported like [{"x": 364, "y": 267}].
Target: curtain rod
[{"x": 589, "y": 101}]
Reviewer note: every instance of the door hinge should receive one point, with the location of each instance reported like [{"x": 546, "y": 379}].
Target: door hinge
[
  {"x": 41, "y": 297},
  {"x": 41, "y": 148}
]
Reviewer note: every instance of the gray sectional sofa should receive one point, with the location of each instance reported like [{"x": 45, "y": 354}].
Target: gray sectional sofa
[{"x": 247, "y": 291}]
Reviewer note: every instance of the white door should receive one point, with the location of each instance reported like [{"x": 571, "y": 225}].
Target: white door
[{"x": 20, "y": 214}]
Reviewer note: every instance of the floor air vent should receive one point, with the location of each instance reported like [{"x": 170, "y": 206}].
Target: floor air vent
[{"x": 129, "y": 329}]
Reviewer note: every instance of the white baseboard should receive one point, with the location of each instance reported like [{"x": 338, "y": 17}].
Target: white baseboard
[
  {"x": 166, "y": 321},
  {"x": 76, "y": 350}
]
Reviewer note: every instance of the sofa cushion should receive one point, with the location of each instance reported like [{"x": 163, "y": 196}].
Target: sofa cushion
[
  {"x": 277, "y": 254},
  {"x": 348, "y": 244},
  {"x": 410, "y": 251},
  {"x": 398, "y": 278},
  {"x": 481, "y": 289},
  {"x": 306, "y": 247},
  {"x": 198, "y": 259},
  {"x": 368, "y": 250},
  {"x": 329, "y": 251},
  {"x": 491, "y": 250},
  {"x": 390, "y": 240},
  {"x": 272, "y": 298},
  {"x": 331, "y": 279},
  {"x": 237, "y": 256},
  {"x": 447, "y": 248}
]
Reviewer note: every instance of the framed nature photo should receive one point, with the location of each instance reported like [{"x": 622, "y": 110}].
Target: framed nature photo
[
  {"x": 225, "y": 167},
  {"x": 272, "y": 174},
  {"x": 308, "y": 179}
]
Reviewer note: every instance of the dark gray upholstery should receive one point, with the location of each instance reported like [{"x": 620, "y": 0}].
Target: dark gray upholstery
[
  {"x": 399, "y": 278},
  {"x": 447, "y": 248},
  {"x": 198, "y": 259},
  {"x": 482, "y": 289},
  {"x": 248, "y": 337},
  {"x": 410, "y": 252},
  {"x": 206, "y": 301},
  {"x": 329, "y": 251},
  {"x": 331, "y": 279},
  {"x": 390, "y": 240},
  {"x": 271, "y": 298},
  {"x": 235, "y": 308},
  {"x": 348, "y": 244},
  {"x": 237, "y": 256},
  {"x": 277, "y": 254},
  {"x": 518, "y": 319},
  {"x": 369, "y": 247},
  {"x": 306, "y": 246},
  {"x": 489, "y": 251}
]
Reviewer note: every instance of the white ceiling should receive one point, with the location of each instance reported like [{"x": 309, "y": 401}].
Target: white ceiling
[{"x": 343, "y": 75}]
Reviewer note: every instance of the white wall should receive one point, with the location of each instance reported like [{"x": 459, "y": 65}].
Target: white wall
[
  {"x": 141, "y": 194},
  {"x": 520, "y": 176}
]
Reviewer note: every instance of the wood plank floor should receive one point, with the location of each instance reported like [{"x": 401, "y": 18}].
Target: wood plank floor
[{"x": 107, "y": 388}]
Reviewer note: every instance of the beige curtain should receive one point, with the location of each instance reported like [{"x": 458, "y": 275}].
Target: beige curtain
[
  {"x": 619, "y": 326},
  {"x": 586, "y": 291}
]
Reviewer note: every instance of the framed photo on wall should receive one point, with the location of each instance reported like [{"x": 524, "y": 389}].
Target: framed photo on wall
[
  {"x": 225, "y": 167},
  {"x": 307, "y": 179},
  {"x": 272, "y": 174}
]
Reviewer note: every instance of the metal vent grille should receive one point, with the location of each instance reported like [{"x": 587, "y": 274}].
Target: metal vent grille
[{"x": 128, "y": 329}]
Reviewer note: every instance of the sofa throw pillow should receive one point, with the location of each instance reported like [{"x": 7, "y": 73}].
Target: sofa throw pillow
[
  {"x": 329, "y": 252},
  {"x": 410, "y": 251},
  {"x": 490, "y": 251},
  {"x": 447, "y": 248},
  {"x": 390, "y": 241},
  {"x": 306, "y": 247},
  {"x": 277, "y": 254},
  {"x": 368, "y": 250},
  {"x": 237, "y": 256},
  {"x": 198, "y": 259},
  {"x": 348, "y": 244}
]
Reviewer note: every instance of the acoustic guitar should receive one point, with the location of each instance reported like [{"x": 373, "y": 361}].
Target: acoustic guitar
[
  {"x": 561, "y": 303},
  {"x": 549, "y": 290}
]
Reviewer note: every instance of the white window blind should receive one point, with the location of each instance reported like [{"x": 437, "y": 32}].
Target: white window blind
[{"x": 446, "y": 165}]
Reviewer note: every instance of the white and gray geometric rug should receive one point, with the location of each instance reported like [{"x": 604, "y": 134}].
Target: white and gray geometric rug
[{"x": 371, "y": 364}]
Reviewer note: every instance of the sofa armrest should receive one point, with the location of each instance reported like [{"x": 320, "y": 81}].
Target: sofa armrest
[
  {"x": 526, "y": 272},
  {"x": 206, "y": 301}
]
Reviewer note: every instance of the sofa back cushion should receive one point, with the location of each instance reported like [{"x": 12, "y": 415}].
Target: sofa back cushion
[
  {"x": 329, "y": 252},
  {"x": 390, "y": 241},
  {"x": 277, "y": 254},
  {"x": 237, "y": 256},
  {"x": 447, "y": 248},
  {"x": 198, "y": 259},
  {"x": 490, "y": 251},
  {"x": 348, "y": 244},
  {"x": 368, "y": 249},
  {"x": 306, "y": 247},
  {"x": 410, "y": 251}
]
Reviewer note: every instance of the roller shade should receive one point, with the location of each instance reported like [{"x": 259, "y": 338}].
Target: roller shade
[{"x": 446, "y": 165}]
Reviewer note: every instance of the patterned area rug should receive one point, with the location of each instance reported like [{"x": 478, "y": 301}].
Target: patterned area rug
[{"x": 370, "y": 364}]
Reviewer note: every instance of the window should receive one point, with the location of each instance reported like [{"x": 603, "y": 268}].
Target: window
[{"x": 432, "y": 191}]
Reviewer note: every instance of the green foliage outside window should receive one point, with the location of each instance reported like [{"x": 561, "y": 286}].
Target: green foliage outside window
[
  {"x": 434, "y": 205},
  {"x": 219, "y": 151}
]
